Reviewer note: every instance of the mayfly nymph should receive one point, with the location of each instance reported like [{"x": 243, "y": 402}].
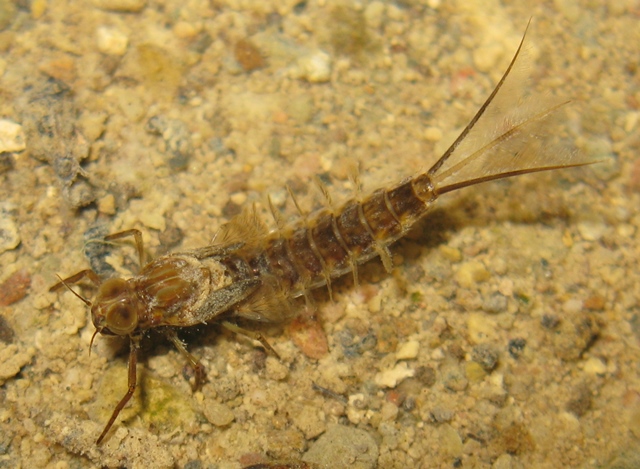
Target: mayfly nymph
[{"x": 253, "y": 274}]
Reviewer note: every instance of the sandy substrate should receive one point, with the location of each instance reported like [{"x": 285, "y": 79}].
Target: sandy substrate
[{"x": 507, "y": 335}]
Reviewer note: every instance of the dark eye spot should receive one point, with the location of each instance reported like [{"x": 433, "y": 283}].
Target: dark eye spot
[
  {"x": 122, "y": 318},
  {"x": 122, "y": 315}
]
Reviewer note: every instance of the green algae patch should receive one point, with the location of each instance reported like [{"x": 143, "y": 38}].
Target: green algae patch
[
  {"x": 155, "y": 401},
  {"x": 165, "y": 406}
]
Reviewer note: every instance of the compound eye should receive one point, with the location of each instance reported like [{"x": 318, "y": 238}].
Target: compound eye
[{"x": 121, "y": 317}]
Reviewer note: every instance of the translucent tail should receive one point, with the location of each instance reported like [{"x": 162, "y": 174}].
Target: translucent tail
[{"x": 511, "y": 134}]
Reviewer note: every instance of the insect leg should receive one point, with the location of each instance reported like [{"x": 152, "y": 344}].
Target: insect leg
[
  {"x": 198, "y": 368},
  {"x": 77, "y": 278},
  {"x": 137, "y": 235},
  {"x": 133, "y": 360},
  {"x": 277, "y": 216},
  {"x": 251, "y": 334}
]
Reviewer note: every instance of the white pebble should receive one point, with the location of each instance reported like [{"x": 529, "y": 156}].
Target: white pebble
[
  {"x": 11, "y": 136},
  {"x": 239, "y": 198},
  {"x": 392, "y": 377},
  {"x": 314, "y": 67},
  {"x": 111, "y": 41},
  {"x": 595, "y": 366},
  {"x": 408, "y": 350}
]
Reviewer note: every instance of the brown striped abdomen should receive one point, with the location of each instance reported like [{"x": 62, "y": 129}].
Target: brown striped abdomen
[{"x": 329, "y": 245}]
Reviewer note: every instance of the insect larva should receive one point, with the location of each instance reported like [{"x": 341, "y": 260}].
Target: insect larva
[{"x": 256, "y": 275}]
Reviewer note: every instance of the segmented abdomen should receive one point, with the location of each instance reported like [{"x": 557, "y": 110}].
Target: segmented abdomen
[{"x": 328, "y": 245}]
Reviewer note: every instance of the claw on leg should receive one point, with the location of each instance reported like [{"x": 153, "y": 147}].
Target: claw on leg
[
  {"x": 252, "y": 335},
  {"x": 198, "y": 368}
]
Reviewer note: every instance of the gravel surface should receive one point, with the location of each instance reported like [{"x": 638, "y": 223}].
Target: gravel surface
[{"x": 507, "y": 335}]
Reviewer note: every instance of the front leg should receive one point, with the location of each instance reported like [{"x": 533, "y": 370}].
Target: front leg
[{"x": 134, "y": 346}]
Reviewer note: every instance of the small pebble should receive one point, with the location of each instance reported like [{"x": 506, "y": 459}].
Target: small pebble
[
  {"x": 454, "y": 378},
  {"x": 442, "y": 415},
  {"x": 238, "y": 198},
  {"x": 516, "y": 346},
  {"x": 451, "y": 254},
  {"x": 218, "y": 414},
  {"x": 450, "y": 441},
  {"x": 486, "y": 356},
  {"x": 309, "y": 337},
  {"x": 111, "y": 41},
  {"x": 389, "y": 411},
  {"x": 504, "y": 461},
  {"x": 595, "y": 303},
  {"x": 408, "y": 350},
  {"x": 392, "y": 377},
  {"x": 14, "y": 288},
  {"x": 572, "y": 306},
  {"x": 481, "y": 327},
  {"x": 342, "y": 446},
  {"x": 11, "y": 136},
  {"x": 426, "y": 376},
  {"x": 185, "y": 30},
  {"x": 495, "y": 303},
  {"x": 248, "y": 55},
  {"x": 595, "y": 366},
  {"x": 107, "y": 205},
  {"x": 550, "y": 321},
  {"x": 471, "y": 273},
  {"x": 314, "y": 67},
  {"x": 475, "y": 373},
  {"x": 153, "y": 220},
  {"x": 308, "y": 420}
]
